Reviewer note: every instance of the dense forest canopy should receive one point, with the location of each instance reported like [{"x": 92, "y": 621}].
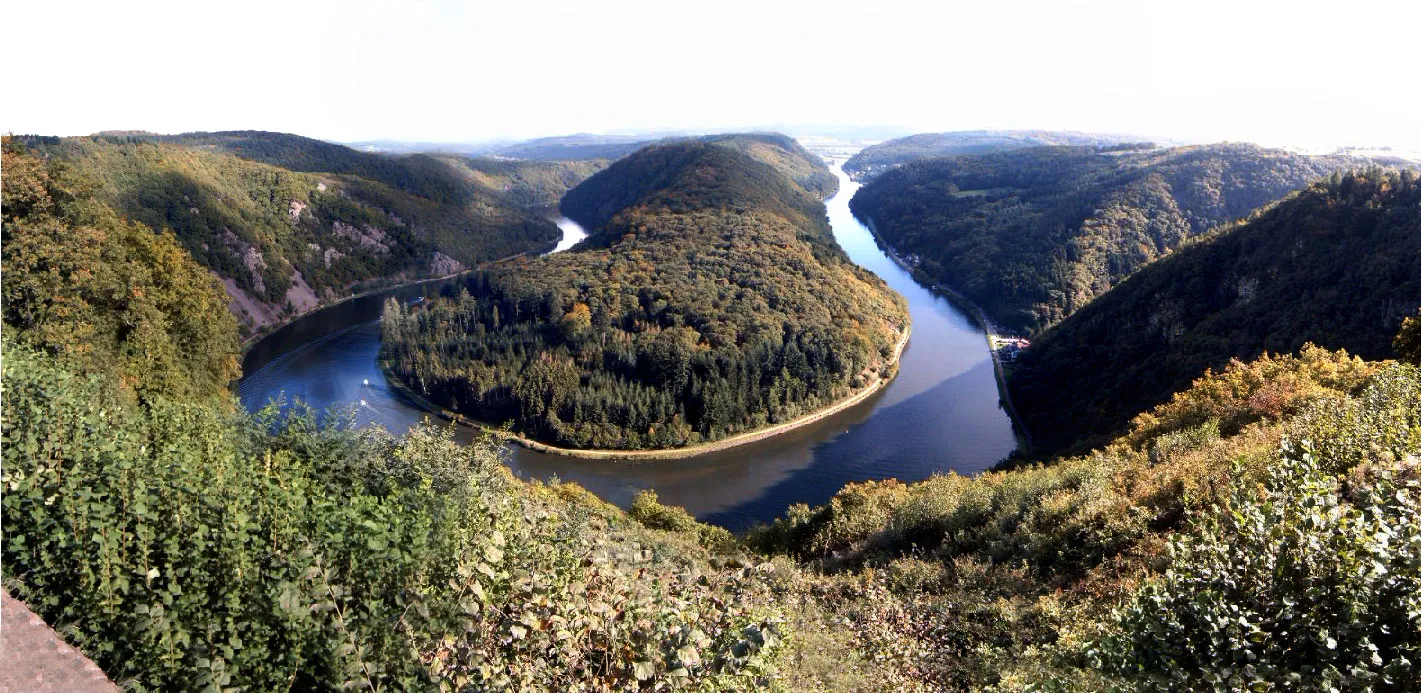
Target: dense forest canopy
[
  {"x": 787, "y": 156},
  {"x": 105, "y": 295},
  {"x": 1338, "y": 264},
  {"x": 533, "y": 184},
  {"x": 291, "y": 222},
  {"x": 1033, "y": 235},
  {"x": 710, "y": 299},
  {"x": 877, "y": 158}
]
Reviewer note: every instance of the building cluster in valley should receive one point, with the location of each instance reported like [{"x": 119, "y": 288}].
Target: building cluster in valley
[{"x": 1008, "y": 348}]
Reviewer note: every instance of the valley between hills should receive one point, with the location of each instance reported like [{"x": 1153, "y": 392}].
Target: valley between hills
[{"x": 1221, "y": 385}]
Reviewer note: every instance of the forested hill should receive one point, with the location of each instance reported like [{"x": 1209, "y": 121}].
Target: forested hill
[
  {"x": 687, "y": 176},
  {"x": 290, "y": 222},
  {"x": 787, "y": 156},
  {"x": 1033, "y": 235},
  {"x": 1338, "y": 265},
  {"x": 573, "y": 147},
  {"x": 593, "y": 203},
  {"x": 877, "y": 158},
  {"x": 711, "y": 299}
]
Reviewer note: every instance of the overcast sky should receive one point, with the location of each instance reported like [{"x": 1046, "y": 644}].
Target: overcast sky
[{"x": 1297, "y": 73}]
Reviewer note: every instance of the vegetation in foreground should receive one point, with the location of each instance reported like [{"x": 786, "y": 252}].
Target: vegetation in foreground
[
  {"x": 711, "y": 299},
  {"x": 1338, "y": 264},
  {"x": 187, "y": 548},
  {"x": 1258, "y": 532},
  {"x": 1221, "y": 545}
]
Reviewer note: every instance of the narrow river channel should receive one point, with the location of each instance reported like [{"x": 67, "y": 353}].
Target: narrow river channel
[{"x": 942, "y": 413}]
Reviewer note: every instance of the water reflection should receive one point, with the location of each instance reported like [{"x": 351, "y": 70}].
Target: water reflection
[{"x": 572, "y": 234}]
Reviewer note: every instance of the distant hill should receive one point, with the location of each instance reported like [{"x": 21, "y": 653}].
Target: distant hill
[
  {"x": 594, "y": 202},
  {"x": 877, "y": 158},
  {"x": 780, "y": 151},
  {"x": 290, "y": 222},
  {"x": 709, "y": 300},
  {"x": 1032, "y": 235},
  {"x": 1338, "y": 265},
  {"x": 572, "y": 147},
  {"x": 533, "y": 184}
]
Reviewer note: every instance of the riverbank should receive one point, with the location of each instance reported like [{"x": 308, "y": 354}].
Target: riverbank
[
  {"x": 985, "y": 321},
  {"x": 271, "y": 329},
  {"x": 759, "y": 434}
]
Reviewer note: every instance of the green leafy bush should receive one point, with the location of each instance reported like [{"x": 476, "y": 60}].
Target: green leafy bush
[
  {"x": 648, "y": 511},
  {"x": 1311, "y": 580},
  {"x": 186, "y": 547}
]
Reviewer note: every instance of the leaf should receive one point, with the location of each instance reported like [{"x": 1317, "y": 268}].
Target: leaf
[{"x": 643, "y": 669}]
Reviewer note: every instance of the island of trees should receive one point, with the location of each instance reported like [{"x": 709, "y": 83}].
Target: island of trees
[{"x": 710, "y": 300}]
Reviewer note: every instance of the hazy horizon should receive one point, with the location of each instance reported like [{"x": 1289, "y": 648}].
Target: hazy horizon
[{"x": 1274, "y": 73}]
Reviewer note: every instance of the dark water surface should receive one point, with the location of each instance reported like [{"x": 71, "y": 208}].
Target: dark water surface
[{"x": 940, "y": 414}]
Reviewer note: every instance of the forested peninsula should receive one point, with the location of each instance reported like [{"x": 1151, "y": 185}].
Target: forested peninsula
[{"x": 710, "y": 300}]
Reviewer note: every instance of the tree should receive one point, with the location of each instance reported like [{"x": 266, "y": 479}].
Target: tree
[
  {"x": 108, "y": 295},
  {"x": 542, "y": 389},
  {"x": 576, "y": 321},
  {"x": 1408, "y": 340}
]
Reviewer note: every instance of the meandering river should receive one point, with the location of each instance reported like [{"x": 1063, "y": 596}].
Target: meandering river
[{"x": 942, "y": 413}]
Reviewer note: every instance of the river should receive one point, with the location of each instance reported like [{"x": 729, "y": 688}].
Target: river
[{"x": 942, "y": 413}]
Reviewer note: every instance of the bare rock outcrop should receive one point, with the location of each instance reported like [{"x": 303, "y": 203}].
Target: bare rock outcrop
[{"x": 441, "y": 265}]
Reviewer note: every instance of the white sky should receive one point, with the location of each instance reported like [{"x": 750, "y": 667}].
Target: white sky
[{"x": 1280, "y": 73}]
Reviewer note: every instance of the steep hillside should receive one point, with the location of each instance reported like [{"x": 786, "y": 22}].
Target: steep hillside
[
  {"x": 1033, "y": 235},
  {"x": 289, "y": 223},
  {"x": 106, "y": 296},
  {"x": 787, "y": 156},
  {"x": 532, "y": 184},
  {"x": 709, "y": 300},
  {"x": 595, "y": 202},
  {"x": 877, "y": 158},
  {"x": 1260, "y": 531},
  {"x": 1338, "y": 264}
]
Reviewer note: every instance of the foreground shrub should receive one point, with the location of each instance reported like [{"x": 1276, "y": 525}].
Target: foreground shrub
[
  {"x": 1311, "y": 581},
  {"x": 187, "y": 548}
]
